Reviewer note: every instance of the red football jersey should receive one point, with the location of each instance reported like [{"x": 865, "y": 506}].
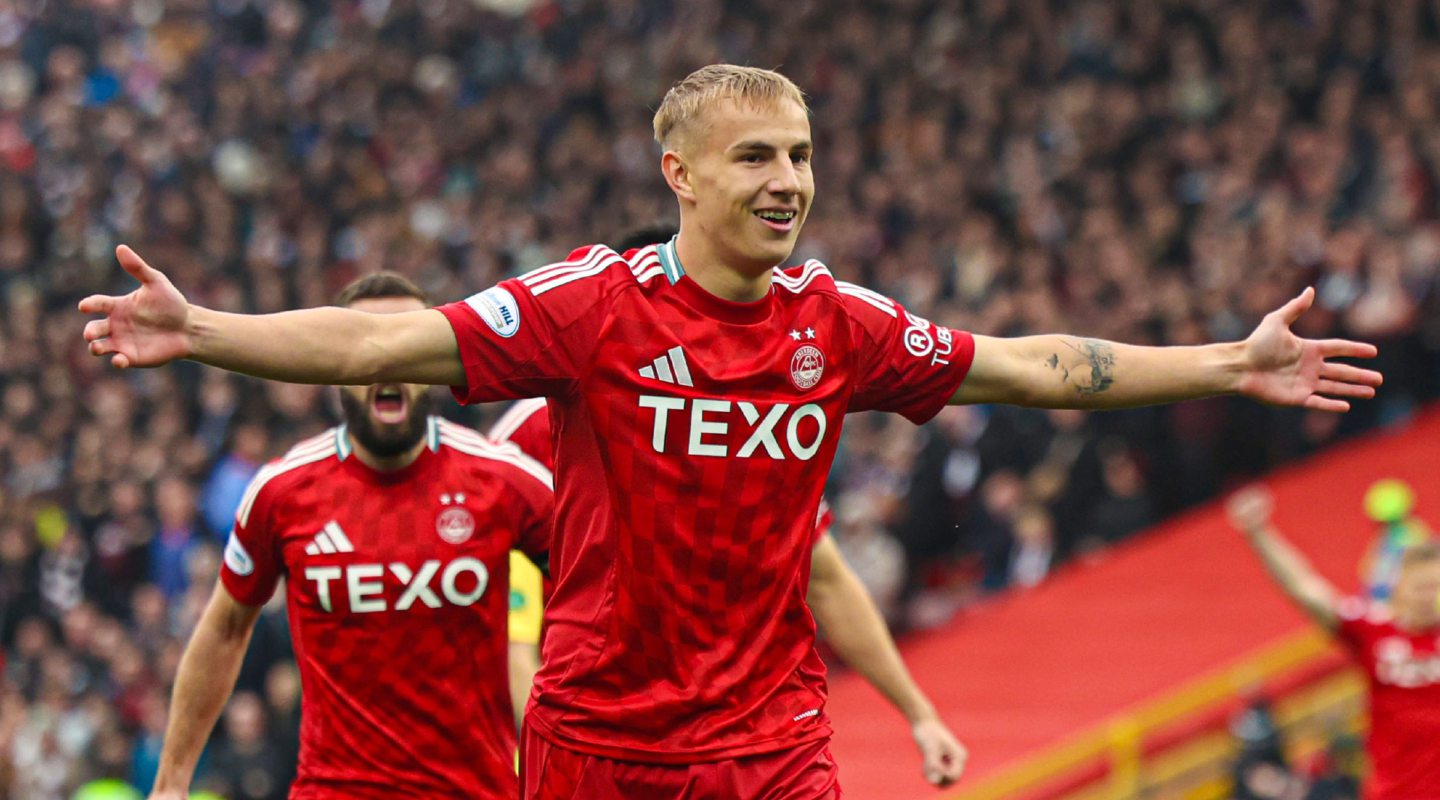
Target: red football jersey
[
  {"x": 526, "y": 424},
  {"x": 692, "y": 437},
  {"x": 397, "y": 587},
  {"x": 1403, "y": 671}
]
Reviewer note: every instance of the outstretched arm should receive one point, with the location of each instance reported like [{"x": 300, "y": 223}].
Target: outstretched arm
[
  {"x": 154, "y": 325},
  {"x": 206, "y": 677},
  {"x": 1250, "y": 514},
  {"x": 1273, "y": 366},
  {"x": 857, "y": 632}
]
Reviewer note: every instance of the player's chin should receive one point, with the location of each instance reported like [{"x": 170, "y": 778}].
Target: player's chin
[{"x": 775, "y": 250}]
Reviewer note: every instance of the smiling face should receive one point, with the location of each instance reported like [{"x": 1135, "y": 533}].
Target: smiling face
[
  {"x": 387, "y": 419},
  {"x": 737, "y": 156},
  {"x": 747, "y": 180}
]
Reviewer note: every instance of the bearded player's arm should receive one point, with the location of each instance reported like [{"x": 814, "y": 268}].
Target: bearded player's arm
[
  {"x": 249, "y": 573},
  {"x": 1272, "y": 365},
  {"x": 853, "y": 626},
  {"x": 1250, "y": 513},
  {"x": 203, "y": 683}
]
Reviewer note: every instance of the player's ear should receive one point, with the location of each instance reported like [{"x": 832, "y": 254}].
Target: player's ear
[{"x": 677, "y": 175}]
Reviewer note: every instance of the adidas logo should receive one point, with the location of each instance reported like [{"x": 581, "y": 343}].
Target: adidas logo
[
  {"x": 330, "y": 540},
  {"x": 669, "y": 368}
]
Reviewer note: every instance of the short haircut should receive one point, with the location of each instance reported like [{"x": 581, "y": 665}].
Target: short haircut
[
  {"x": 686, "y": 99},
  {"x": 1425, "y": 552},
  {"x": 377, "y": 285}
]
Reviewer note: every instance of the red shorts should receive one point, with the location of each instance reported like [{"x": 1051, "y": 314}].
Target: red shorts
[{"x": 551, "y": 772}]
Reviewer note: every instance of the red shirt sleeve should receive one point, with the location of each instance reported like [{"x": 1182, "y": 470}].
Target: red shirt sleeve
[
  {"x": 906, "y": 364},
  {"x": 532, "y": 336},
  {"x": 251, "y": 566},
  {"x": 526, "y": 424}
]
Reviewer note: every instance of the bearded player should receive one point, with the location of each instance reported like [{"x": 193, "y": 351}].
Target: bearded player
[
  {"x": 841, "y": 605},
  {"x": 1397, "y": 644},
  {"x": 393, "y": 533},
  {"x": 697, "y": 394}
]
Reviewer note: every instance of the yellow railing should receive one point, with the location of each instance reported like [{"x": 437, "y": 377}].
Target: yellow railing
[{"x": 1119, "y": 742}]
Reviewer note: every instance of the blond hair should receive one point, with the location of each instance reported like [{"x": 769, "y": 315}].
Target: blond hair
[{"x": 686, "y": 99}]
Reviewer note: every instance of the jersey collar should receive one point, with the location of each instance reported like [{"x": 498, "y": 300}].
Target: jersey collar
[
  {"x": 432, "y": 437},
  {"x": 670, "y": 260}
]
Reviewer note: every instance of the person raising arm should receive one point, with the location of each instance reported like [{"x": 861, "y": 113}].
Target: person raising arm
[
  {"x": 154, "y": 325},
  {"x": 1249, "y": 512}
]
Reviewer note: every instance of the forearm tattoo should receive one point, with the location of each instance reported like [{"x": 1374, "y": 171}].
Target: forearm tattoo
[{"x": 1088, "y": 365}]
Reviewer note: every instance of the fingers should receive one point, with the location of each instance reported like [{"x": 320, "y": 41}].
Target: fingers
[
  {"x": 1344, "y": 348},
  {"x": 132, "y": 263},
  {"x": 1340, "y": 389},
  {"x": 946, "y": 765},
  {"x": 97, "y": 304},
  {"x": 104, "y": 347},
  {"x": 1292, "y": 310},
  {"x": 97, "y": 329},
  {"x": 1350, "y": 374},
  {"x": 1318, "y": 403}
]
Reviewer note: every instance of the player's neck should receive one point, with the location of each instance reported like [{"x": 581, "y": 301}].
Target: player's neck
[
  {"x": 386, "y": 463},
  {"x": 713, "y": 274}
]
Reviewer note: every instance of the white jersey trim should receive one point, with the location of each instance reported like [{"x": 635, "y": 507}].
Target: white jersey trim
[
  {"x": 554, "y": 276},
  {"x": 472, "y": 443},
  {"x": 317, "y": 448},
  {"x": 875, "y": 299},
  {"x": 647, "y": 264},
  {"x": 514, "y": 417},
  {"x": 797, "y": 283}
]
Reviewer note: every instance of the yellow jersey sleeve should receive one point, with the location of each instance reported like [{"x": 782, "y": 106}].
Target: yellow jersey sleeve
[{"x": 526, "y": 603}]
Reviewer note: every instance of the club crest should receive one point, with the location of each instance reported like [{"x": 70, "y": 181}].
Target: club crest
[
  {"x": 806, "y": 367},
  {"x": 455, "y": 524}
]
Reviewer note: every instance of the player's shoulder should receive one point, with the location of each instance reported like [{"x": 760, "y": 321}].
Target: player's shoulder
[
  {"x": 521, "y": 415},
  {"x": 595, "y": 269},
  {"x": 1363, "y": 610},
  {"x": 811, "y": 277},
  {"x": 479, "y": 452},
  {"x": 303, "y": 461},
  {"x": 814, "y": 278}
]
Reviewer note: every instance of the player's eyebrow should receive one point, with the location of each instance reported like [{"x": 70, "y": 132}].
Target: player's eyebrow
[{"x": 756, "y": 145}]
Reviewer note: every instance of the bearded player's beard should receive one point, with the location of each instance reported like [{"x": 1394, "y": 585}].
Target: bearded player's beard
[{"x": 385, "y": 441}]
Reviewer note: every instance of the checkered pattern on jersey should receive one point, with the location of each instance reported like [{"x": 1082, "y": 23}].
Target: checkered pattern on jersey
[
  {"x": 397, "y": 594},
  {"x": 693, "y": 436}
]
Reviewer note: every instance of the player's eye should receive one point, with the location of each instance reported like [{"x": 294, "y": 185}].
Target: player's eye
[
  {"x": 800, "y": 158},
  {"x": 752, "y": 158}
]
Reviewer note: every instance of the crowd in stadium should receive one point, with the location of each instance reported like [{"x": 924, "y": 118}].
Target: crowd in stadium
[{"x": 1153, "y": 172}]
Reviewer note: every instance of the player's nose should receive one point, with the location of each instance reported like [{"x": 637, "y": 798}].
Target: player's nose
[{"x": 785, "y": 180}]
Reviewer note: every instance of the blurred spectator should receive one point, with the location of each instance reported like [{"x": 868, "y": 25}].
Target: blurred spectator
[
  {"x": 282, "y": 707},
  {"x": 232, "y": 473},
  {"x": 175, "y": 537},
  {"x": 248, "y": 763}
]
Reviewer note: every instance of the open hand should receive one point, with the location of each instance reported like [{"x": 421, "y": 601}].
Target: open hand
[
  {"x": 942, "y": 755},
  {"x": 145, "y": 328},
  {"x": 1287, "y": 370}
]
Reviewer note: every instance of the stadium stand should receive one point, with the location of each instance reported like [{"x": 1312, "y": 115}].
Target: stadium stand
[
  {"x": 1155, "y": 172},
  {"x": 1120, "y": 675}
]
